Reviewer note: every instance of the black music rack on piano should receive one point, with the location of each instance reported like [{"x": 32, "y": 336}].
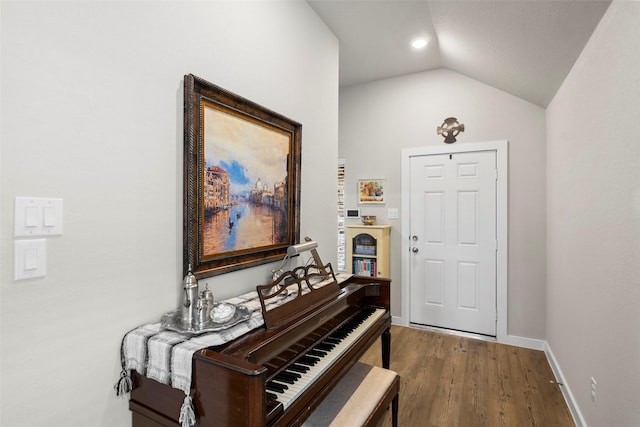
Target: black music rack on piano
[{"x": 278, "y": 374}]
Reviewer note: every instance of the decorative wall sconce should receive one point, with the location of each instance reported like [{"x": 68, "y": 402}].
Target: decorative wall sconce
[{"x": 450, "y": 129}]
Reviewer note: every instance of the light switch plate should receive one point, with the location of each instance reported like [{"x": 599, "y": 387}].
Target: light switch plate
[
  {"x": 30, "y": 259},
  {"x": 392, "y": 213},
  {"x": 36, "y": 217}
]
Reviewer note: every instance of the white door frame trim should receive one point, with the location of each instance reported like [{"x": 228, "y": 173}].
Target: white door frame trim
[{"x": 501, "y": 147}]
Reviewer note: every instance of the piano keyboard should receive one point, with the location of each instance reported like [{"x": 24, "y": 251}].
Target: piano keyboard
[{"x": 289, "y": 384}]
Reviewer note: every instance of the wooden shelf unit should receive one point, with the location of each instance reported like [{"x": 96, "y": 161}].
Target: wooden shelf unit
[{"x": 368, "y": 250}]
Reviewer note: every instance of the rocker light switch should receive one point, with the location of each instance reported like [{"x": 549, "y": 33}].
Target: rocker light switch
[
  {"x": 30, "y": 259},
  {"x": 36, "y": 216},
  {"x": 32, "y": 217},
  {"x": 49, "y": 216}
]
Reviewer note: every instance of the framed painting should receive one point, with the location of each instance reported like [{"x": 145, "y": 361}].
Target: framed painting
[
  {"x": 371, "y": 191},
  {"x": 241, "y": 181}
]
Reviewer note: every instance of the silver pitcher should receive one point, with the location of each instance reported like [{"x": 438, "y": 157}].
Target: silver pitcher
[
  {"x": 204, "y": 307},
  {"x": 188, "y": 309}
]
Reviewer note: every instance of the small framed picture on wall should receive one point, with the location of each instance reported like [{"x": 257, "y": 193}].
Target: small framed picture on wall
[{"x": 371, "y": 191}]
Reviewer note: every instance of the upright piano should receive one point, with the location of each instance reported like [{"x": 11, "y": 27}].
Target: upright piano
[{"x": 278, "y": 374}]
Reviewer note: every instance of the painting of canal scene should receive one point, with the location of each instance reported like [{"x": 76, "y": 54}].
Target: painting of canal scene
[
  {"x": 245, "y": 183},
  {"x": 242, "y": 192}
]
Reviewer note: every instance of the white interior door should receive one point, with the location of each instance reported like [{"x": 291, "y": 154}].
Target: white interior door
[{"x": 453, "y": 241}]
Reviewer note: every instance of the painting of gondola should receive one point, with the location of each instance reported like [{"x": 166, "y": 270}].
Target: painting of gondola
[{"x": 242, "y": 181}]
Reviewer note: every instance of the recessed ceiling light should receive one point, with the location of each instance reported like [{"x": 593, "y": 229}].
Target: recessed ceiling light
[{"x": 418, "y": 43}]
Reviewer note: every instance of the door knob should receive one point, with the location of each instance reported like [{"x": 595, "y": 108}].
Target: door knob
[{"x": 415, "y": 249}]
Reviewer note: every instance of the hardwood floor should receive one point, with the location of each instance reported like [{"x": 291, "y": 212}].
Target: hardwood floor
[{"x": 449, "y": 380}]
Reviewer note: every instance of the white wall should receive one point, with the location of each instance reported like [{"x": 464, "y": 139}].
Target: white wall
[
  {"x": 378, "y": 119},
  {"x": 92, "y": 113},
  {"x": 593, "y": 185}
]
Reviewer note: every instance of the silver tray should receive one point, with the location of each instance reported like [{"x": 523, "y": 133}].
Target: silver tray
[{"x": 172, "y": 322}]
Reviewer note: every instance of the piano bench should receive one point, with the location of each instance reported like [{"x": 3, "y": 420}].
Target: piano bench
[{"x": 360, "y": 399}]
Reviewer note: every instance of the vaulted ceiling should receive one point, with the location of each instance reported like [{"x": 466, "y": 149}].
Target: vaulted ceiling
[{"x": 524, "y": 47}]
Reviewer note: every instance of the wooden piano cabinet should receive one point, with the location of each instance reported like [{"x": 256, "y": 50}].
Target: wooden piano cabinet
[
  {"x": 152, "y": 403},
  {"x": 229, "y": 381},
  {"x": 141, "y": 416},
  {"x": 221, "y": 385}
]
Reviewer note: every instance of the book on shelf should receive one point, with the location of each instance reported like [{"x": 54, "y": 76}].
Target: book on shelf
[
  {"x": 365, "y": 249},
  {"x": 365, "y": 267}
]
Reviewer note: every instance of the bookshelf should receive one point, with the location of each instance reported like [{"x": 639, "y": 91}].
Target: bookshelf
[{"x": 368, "y": 250}]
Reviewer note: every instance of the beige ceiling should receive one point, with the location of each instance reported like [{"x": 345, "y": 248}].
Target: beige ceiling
[{"x": 524, "y": 47}]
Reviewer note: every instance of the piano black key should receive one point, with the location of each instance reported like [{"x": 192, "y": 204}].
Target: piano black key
[
  {"x": 291, "y": 374},
  {"x": 308, "y": 360},
  {"x": 296, "y": 367},
  {"x": 317, "y": 353},
  {"x": 275, "y": 386},
  {"x": 324, "y": 346},
  {"x": 285, "y": 378}
]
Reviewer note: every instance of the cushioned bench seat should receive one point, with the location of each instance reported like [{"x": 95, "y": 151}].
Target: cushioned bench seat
[{"x": 360, "y": 399}]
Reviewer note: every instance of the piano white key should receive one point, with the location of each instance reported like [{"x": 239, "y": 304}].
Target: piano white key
[{"x": 315, "y": 371}]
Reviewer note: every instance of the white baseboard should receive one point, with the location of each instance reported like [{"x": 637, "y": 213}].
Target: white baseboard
[
  {"x": 397, "y": 320},
  {"x": 531, "y": 343},
  {"x": 564, "y": 387}
]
